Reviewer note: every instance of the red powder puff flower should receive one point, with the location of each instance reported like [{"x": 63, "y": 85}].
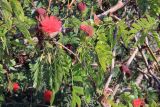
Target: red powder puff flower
[
  {"x": 16, "y": 87},
  {"x": 82, "y": 6},
  {"x": 138, "y": 102},
  {"x": 87, "y": 29},
  {"x": 41, "y": 11},
  {"x": 125, "y": 70},
  {"x": 47, "y": 96},
  {"x": 51, "y": 25}
]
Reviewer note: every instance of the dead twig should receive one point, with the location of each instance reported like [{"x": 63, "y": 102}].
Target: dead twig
[
  {"x": 70, "y": 4},
  {"x": 49, "y": 5},
  {"x": 140, "y": 76},
  {"x": 132, "y": 57},
  {"x": 113, "y": 9},
  {"x": 115, "y": 91},
  {"x": 152, "y": 54}
]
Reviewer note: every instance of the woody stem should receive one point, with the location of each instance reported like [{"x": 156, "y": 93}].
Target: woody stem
[{"x": 49, "y": 5}]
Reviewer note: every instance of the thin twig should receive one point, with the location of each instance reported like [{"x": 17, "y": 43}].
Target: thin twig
[
  {"x": 32, "y": 3},
  {"x": 57, "y": 43},
  {"x": 132, "y": 57},
  {"x": 115, "y": 17},
  {"x": 140, "y": 77},
  {"x": 49, "y": 4},
  {"x": 7, "y": 74},
  {"x": 70, "y": 4},
  {"x": 115, "y": 90},
  {"x": 113, "y": 9},
  {"x": 144, "y": 73},
  {"x": 152, "y": 54},
  {"x": 112, "y": 68}
]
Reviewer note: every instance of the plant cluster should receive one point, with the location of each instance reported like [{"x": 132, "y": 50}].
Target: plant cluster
[{"x": 80, "y": 53}]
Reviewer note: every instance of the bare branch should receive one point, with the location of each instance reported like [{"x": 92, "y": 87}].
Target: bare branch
[{"x": 113, "y": 9}]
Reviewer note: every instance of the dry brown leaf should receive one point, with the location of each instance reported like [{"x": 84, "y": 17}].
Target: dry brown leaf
[{"x": 97, "y": 21}]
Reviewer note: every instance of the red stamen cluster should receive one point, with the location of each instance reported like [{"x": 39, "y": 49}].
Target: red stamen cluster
[
  {"x": 125, "y": 70},
  {"x": 87, "y": 29},
  {"x": 82, "y": 6},
  {"x": 51, "y": 24},
  {"x": 16, "y": 87},
  {"x": 47, "y": 96},
  {"x": 138, "y": 102}
]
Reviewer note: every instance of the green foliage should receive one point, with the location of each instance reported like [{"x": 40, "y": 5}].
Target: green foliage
[
  {"x": 1, "y": 74},
  {"x": 124, "y": 33},
  {"x": 103, "y": 50},
  {"x": 38, "y": 62},
  {"x": 6, "y": 9},
  {"x": 144, "y": 26},
  {"x": 23, "y": 28},
  {"x": 62, "y": 67},
  {"x": 75, "y": 96},
  {"x": 37, "y": 73},
  {"x": 17, "y": 9},
  {"x": 157, "y": 38},
  {"x": 54, "y": 67},
  {"x": 151, "y": 6},
  {"x": 153, "y": 104}
]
